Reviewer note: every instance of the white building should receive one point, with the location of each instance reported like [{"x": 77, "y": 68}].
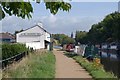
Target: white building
[{"x": 35, "y": 37}]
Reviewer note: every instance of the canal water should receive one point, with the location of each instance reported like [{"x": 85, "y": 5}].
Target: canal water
[{"x": 110, "y": 58}]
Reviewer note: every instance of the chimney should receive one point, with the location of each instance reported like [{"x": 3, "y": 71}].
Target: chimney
[{"x": 40, "y": 24}]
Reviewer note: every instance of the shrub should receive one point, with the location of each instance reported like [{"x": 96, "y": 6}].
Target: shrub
[{"x": 9, "y": 50}]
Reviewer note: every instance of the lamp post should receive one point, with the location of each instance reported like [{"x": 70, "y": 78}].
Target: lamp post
[
  {"x": 51, "y": 42},
  {"x": 119, "y": 6}
]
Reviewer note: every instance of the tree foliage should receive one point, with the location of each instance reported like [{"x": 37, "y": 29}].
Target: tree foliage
[
  {"x": 63, "y": 39},
  {"x": 108, "y": 30},
  {"x": 9, "y": 50},
  {"x": 25, "y": 9},
  {"x": 55, "y": 6},
  {"x": 80, "y": 37},
  {"x": 19, "y": 9}
]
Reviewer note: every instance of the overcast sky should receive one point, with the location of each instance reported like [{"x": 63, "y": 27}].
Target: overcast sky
[{"x": 81, "y": 16}]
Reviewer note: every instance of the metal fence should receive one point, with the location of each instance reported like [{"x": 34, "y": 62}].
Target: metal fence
[{"x": 6, "y": 62}]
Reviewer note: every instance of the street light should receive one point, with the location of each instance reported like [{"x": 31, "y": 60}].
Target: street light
[
  {"x": 51, "y": 40},
  {"x": 119, "y": 6}
]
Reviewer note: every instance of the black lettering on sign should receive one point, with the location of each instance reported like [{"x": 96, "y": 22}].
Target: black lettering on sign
[{"x": 30, "y": 34}]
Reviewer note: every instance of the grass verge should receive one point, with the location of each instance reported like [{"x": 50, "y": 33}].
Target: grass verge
[
  {"x": 36, "y": 65},
  {"x": 97, "y": 72}
]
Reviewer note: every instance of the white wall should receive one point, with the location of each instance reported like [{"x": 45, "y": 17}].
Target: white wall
[
  {"x": 24, "y": 39},
  {"x": 48, "y": 47},
  {"x": 34, "y": 45},
  {"x": 36, "y": 42}
]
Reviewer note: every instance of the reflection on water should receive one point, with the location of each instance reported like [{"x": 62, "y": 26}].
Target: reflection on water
[
  {"x": 0, "y": 53},
  {"x": 57, "y": 47},
  {"x": 110, "y": 58}
]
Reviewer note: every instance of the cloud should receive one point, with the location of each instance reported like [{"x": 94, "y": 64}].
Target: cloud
[
  {"x": 52, "y": 18},
  {"x": 71, "y": 24},
  {"x": 49, "y": 20},
  {"x": 12, "y": 23},
  {"x": 53, "y": 24}
]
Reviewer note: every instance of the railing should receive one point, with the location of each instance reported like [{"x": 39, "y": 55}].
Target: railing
[{"x": 6, "y": 62}]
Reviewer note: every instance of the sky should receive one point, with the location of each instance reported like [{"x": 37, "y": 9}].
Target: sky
[{"x": 81, "y": 17}]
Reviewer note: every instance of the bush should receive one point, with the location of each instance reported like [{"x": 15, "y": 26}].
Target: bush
[{"x": 9, "y": 50}]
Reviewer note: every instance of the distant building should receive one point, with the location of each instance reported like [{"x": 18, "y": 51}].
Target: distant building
[
  {"x": 72, "y": 35},
  {"x": 35, "y": 37},
  {"x": 7, "y": 37}
]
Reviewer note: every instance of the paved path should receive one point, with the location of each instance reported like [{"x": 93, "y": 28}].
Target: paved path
[{"x": 68, "y": 68}]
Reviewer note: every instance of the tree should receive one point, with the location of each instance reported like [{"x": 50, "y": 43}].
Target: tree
[
  {"x": 63, "y": 39},
  {"x": 80, "y": 37},
  {"x": 25, "y": 9},
  {"x": 106, "y": 31},
  {"x": 112, "y": 26},
  {"x": 96, "y": 34}
]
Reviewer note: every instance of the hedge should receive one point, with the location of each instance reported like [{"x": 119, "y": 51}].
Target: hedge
[{"x": 9, "y": 50}]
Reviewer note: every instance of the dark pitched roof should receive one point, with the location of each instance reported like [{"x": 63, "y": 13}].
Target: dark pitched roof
[{"x": 6, "y": 36}]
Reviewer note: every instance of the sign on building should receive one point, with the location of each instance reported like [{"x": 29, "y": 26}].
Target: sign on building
[{"x": 30, "y": 34}]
